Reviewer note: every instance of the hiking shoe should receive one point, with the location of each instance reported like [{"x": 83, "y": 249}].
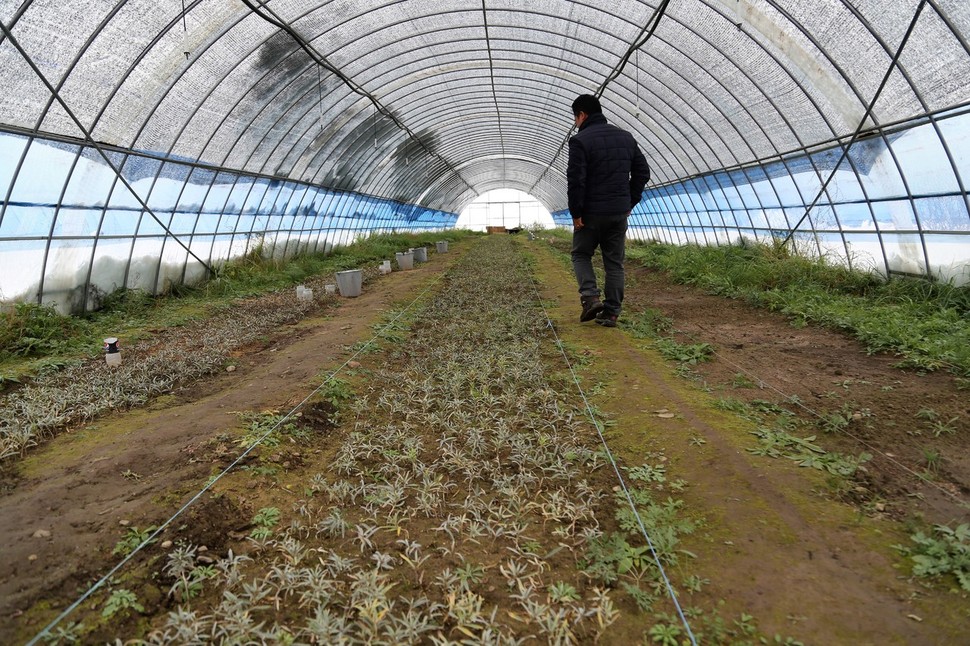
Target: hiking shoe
[
  {"x": 605, "y": 319},
  {"x": 592, "y": 306}
]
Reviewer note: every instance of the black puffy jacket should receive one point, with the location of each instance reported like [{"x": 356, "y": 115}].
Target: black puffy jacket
[{"x": 606, "y": 172}]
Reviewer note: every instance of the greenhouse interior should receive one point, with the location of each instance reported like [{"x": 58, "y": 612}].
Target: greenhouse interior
[{"x": 357, "y": 399}]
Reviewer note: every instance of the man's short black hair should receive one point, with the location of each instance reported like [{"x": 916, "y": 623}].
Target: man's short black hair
[{"x": 586, "y": 103}]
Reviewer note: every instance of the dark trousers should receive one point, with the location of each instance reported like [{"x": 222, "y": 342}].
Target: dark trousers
[{"x": 609, "y": 234}]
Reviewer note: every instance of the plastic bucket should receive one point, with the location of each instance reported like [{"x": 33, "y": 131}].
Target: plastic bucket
[
  {"x": 349, "y": 282},
  {"x": 441, "y": 246},
  {"x": 420, "y": 254},
  {"x": 330, "y": 289},
  {"x": 385, "y": 267},
  {"x": 405, "y": 259}
]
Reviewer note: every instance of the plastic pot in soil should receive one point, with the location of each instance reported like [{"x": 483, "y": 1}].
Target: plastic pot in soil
[
  {"x": 441, "y": 246},
  {"x": 349, "y": 282},
  {"x": 420, "y": 254},
  {"x": 405, "y": 259}
]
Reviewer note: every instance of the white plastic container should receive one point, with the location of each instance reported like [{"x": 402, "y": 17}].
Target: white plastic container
[
  {"x": 385, "y": 267},
  {"x": 350, "y": 282},
  {"x": 330, "y": 288},
  {"x": 420, "y": 254},
  {"x": 303, "y": 294},
  {"x": 441, "y": 246},
  {"x": 112, "y": 355},
  {"x": 405, "y": 259}
]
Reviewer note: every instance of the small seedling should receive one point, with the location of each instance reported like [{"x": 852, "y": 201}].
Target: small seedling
[
  {"x": 741, "y": 380},
  {"x": 265, "y": 519},
  {"x": 694, "y": 583},
  {"x": 132, "y": 540},
  {"x": 939, "y": 427},
  {"x": 691, "y": 354},
  {"x": 835, "y": 423},
  {"x": 268, "y": 470},
  {"x": 562, "y": 592},
  {"x": 666, "y": 634},
  {"x": 69, "y": 634},
  {"x": 944, "y": 551},
  {"x": 122, "y": 601}
]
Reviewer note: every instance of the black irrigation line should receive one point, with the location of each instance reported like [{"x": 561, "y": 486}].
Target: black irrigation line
[
  {"x": 107, "y": 577},
  {"x": 599, "y": 431},
  {"x": 491, "y": 76}
]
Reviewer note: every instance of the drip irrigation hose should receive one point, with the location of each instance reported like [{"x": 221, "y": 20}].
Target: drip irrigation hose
[
  {"x": 609, "y": 454},
  {"x": 97, "y": 146},
  {"x": 67, "y": 611},
  {"x": 645, "y": 34}
]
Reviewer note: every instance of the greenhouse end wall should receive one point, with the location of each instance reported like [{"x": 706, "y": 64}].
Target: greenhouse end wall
[
  {"x": 897, "y": 204},
  {"x": 71, "y": 231}
]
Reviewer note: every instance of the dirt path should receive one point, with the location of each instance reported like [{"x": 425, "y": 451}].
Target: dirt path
[
  {"x": 772, "y": 545},
  {"x": 891, "y": 413},
  {"x": 59, "y": 524}
]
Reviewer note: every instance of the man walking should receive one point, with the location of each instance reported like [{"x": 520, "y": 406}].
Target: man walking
[{"x": 605, "y": 177}]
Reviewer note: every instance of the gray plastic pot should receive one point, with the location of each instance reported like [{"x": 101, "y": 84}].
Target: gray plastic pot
[{"x": 349, "y": 282}]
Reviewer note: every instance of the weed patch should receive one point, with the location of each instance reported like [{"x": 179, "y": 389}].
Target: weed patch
[
  {"x": 922, "y": 321},
  {"x": 944, "y": 551}
]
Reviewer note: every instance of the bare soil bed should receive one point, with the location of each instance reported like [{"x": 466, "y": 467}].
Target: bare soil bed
[
  {"x": 854, "y": 401},
  {"x": 67, "y": 505}
]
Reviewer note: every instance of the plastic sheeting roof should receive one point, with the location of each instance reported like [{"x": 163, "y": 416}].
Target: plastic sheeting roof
[{"x": 436, "y": 102}]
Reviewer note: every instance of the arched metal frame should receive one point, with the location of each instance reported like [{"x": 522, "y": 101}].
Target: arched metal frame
[{"x": 740, "y": 105}]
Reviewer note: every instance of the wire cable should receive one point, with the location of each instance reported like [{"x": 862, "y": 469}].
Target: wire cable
[
  {"x": 97, "y": 146},
  {"x": 609, "y": 454},
  {"x": 862, "y": 122},
  {"x": 67, "y": 611},
  {"x": 645, "y": 34},
  {"x": 260, "y": 9}
]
